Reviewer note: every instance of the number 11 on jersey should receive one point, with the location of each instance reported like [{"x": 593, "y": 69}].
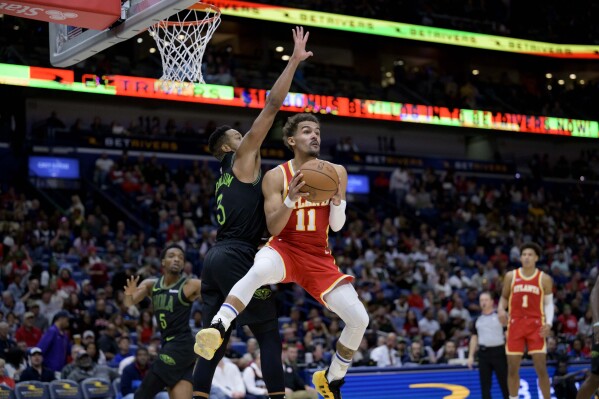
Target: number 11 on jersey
[{"x": 301, "y": 223}]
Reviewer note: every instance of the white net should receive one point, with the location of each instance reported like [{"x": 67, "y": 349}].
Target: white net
[{"x": 182, "y": 40}]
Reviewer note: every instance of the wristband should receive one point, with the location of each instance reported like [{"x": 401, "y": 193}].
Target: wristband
[
  {"x": 596, "y": 324},
  {"x": 288, "y": 203}
]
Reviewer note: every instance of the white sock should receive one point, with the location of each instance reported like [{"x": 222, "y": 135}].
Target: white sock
[
  {"x": 226, "y": 314},
  {"x": 338, "y": 368},
  {"x": 514, "y": 397}
]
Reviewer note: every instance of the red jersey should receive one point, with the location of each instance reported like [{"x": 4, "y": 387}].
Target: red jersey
[
  {"x": 309, "y": 221},
  {"x": 526, "y": 299}
]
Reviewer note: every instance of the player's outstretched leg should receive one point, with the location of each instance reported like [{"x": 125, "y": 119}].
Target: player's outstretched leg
[{"x": 209, "y": 340}]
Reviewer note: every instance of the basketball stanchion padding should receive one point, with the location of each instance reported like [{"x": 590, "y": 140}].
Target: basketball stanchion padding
[{"x": 181, "y": 40}]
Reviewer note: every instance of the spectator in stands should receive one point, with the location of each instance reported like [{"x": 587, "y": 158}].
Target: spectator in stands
[
  {"x": 86, "y": 368},
  {"x": 39, "y": 320},
  {"x": 36, "y": 371},
  {"x": 11, "y": 305},
  {"x": 552, "y": 349},
  {"x": 145, "y": 327},
  {"x": 107, "y": 342},
  {"x": 134, "y": 373},
  {"x": 227, "y": 382},
  {"x": 459, "y": 311},
  {"x": 416, "y": 355},
  {"x": 33, "y": 291},
  {"x": 295, "y": 386},
  {"x": 104, "y": 165},
  {"x": 411, "y": 325},
  {"x": 28, "y": 332},
  {"x": 318, "y": 360},
  {"x": 66, "y": 282},
  {"x": 399, "y": 185},
  {"x": 450, "y": 353},
  {"x": 55, "y": 342},
  {"x": 6, "y": 343},
  {"x": 585, "y": 323},
  {"x": 124, "y": 351},
  {"x": 385, "y": 355},
  {"x": 428, "y": 325},
  {"x": 253, "y": 380},
  {"x": 63, "y": 237},
  {"x": 4, "y": 379},
  {"x": 564, "y": 383},
  {"x": 567, "y": 324},
  {"x": 316, "y": 333}
]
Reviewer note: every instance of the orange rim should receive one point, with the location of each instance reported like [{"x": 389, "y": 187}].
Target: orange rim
[{"x": 199, "y": 6}]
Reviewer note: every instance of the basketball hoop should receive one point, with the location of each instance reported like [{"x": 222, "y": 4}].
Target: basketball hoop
[{"x": 181, "y": 40}]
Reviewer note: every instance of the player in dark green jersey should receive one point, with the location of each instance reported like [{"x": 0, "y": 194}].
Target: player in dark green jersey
[
  {"x": 240, "y": 215},
  {"x": 172, "y": 296}
]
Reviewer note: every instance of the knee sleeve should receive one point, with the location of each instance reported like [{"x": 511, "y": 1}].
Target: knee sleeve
[
  {"x": 344, "y": 301},
  {"x": 267, "y": 269}
]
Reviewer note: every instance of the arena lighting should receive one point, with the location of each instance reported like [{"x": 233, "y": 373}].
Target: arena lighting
[
  {"x": 279, "y": 49},
  {"x": 572, "y": 76},
  {"x": 548, "y": 75},
  {"x": 131, "y": 86},
  {"x": 560, "y": 82},
  {"x": 475, "y": 72},
  {"x": 294, "y": 16}
]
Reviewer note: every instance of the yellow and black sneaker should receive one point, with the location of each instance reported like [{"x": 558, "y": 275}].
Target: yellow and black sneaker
[
  {"x": 209, "y": 340},
  {"x": 328, "y": 390}
]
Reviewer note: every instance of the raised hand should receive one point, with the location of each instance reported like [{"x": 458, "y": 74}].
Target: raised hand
[
  {"x": 131, "y": 286},
  {"x": 300, "y": 39}
]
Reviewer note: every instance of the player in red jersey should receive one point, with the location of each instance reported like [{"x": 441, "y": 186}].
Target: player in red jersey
[
  {"x": 298, "y": 252},
  {"x": 528, "y": 294}
]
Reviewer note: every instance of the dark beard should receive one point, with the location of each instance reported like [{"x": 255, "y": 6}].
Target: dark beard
[{"x": 314, "y": 154}]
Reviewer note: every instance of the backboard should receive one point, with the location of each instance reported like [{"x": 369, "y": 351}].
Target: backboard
[{"x": 70, "y": 45}]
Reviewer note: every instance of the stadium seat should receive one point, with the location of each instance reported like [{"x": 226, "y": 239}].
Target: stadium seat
[
  {"x": 5, "y": 392},
  {"x": 97, "y": 388},
  {"x": 64, "y": 389},
  {"x": 30, "y": 390}
]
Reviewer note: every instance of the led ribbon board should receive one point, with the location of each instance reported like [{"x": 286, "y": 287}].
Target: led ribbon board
[
  {"x": 294, "y": 16},
  {"x": 131, "y": 86}
]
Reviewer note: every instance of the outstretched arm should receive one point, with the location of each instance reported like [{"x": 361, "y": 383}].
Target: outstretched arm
[
  {"x": 135, "y": 294},
  {"x": 247, "y": 156}
]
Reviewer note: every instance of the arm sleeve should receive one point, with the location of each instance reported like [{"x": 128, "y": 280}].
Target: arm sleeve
[
  {"x": 337, "y": 215},
  {"x": 549, "y": 309}
]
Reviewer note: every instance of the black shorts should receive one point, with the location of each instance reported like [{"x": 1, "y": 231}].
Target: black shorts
[
  {"x": 225, "y": 264},
  {"x": 595, "y": 359},
  {"x": 175, "y": 361}
]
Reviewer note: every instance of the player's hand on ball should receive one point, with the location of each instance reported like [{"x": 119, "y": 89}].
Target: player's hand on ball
[
  {"x": 295, "y": 185},
  {"x": 545, "y": 330},
  {"x": 131, "y": 286},
  {"x": 336, "y": 198}
]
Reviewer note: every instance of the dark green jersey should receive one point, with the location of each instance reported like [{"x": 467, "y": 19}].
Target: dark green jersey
[
  {"x": 172, "y": 309},
  {"x": 239, "y": 206}
]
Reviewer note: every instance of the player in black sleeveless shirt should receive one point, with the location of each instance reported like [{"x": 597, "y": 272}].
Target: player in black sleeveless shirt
[
  {"x": 240, "y": 214},
  {"x": 172, "y": 296}
]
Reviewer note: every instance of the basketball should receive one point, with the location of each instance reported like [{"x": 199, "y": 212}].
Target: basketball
[{"x": 321, "y": 180}]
